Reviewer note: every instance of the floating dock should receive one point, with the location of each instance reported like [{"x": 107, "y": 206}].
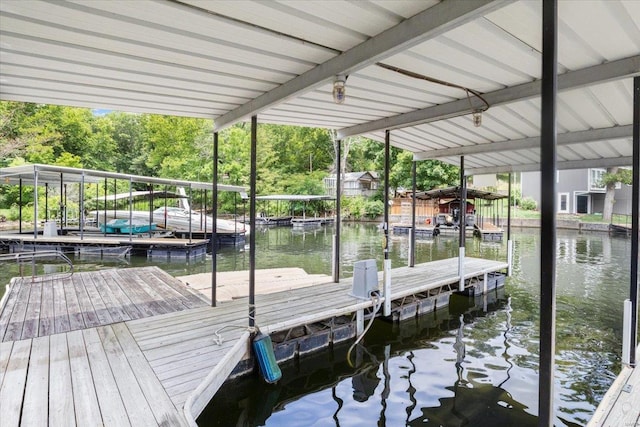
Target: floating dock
[
  {"x": 620, "y": 406},
  {"x": 278, "y": 221},
  {"x": 311, "y": 222},
  {"x": 159, "y": 247},
  {"x": 488, "y": 232},
  {"x": 421, "y": 232},
  {"x": 136, "y": 347}
]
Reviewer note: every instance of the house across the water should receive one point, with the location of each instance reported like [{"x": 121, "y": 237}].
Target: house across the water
[{"x": 355, "y": 184}]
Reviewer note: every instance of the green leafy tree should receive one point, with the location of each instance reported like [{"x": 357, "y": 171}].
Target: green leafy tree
[{"x": 610, "y": 179}]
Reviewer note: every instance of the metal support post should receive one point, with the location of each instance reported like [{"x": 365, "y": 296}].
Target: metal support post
[
  {"x": 252, "y": 223},
  {"x": 35, "y": 203},
  {"x": 412, "y": 236},
  {"x": 387, "y": 261},
  {"x": 462, "y": 222},
  {"x": 635, "y": 213},
  {"x": 214, "y": 227},
  {"x": 509, "y": 242},
  {"x": 336, "y": 238},
  {"x": 548, "y": 212}
]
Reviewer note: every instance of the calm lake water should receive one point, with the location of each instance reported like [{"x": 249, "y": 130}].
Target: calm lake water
[{"x": 410, "y": 373}]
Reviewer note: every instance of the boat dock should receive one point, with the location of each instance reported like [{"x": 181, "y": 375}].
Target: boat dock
[
  {"x": 137, "y": 347},
  {"x": 311, "y": 222},
  {"x": 151, "y": 247},
  {"x": 487, "y": 231},
  {"x": 620, "y": 406},
  {"x": 421, "y": 232}
]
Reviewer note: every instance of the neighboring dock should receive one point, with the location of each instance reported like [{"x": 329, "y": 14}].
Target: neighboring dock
[
  {"x": 151, "y": 247},
  {"x": 132, "y": 346},
  {"x": 620, "y": 406}
]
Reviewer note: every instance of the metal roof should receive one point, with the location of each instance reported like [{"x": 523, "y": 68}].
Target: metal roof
[
  {"x": 54, "y": 175},
  {"x": 454, "y": 193},
  {"x": 228, "y": 60}
]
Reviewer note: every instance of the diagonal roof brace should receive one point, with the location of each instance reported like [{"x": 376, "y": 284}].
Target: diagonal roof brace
[
  {"x": 566, "y": 138},
  {"x": 622, "y": 68},
  {"x": 425, "y": 25}
]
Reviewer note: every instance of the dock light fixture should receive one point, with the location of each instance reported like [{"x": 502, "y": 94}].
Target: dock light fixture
[
  {"x": 339, "y": 89},
  {"x": 477, "y": 118}
]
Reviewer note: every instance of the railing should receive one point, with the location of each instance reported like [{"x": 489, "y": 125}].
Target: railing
[{"x": 33, "y": 257}]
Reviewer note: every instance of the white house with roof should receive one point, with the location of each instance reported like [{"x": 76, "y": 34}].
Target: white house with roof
[
  {"x": 579, "y": 191},
  {"x": 355, "y": 184}
]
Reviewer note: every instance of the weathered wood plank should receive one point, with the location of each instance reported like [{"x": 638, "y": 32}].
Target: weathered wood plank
[
  {"x": 61, "y": 313},
  {"x": 8, "y": 303},
  {"x": 13, "y": 383},
  {"x": 111, "y": 405},
  {"x": 139, "y": 300},
  {"x": 60, "y": 388},
  {"x": 192, "y": 298},
  {"x": 99, "y": 306},
  {"x": 5, "y": 352},
  {"x": 89, "y": 316},
  {"x": 47, "y": 323},
  {"x": 123, "y": 294},
  {"x": 87, "y": 409},
  {"x": 73, "y": 306},
  {"x": 14, "y": 328},
  {"x": 156, "y": 289},
  {"x": 111, "y": 304},
  {"x": 161, "y": 405},
  {"x": 138, "y": 409},
  {"x": 196, "y": 360},
  {"x": 34, "y": 410},
  {"x": 32, "y": 316},
  {"x": 153, "y": 299}
]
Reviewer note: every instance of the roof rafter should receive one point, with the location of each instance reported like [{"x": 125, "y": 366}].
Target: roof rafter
[
  {"x": 430, "y": 23},
  {"x": 566, "y": 138},
  {"x": 613, "y": 70}
]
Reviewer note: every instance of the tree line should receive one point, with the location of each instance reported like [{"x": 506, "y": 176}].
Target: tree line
[{"x": 291, "y": 159}]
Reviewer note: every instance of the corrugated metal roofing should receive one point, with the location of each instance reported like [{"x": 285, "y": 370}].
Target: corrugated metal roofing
[{"x": 227, "y": 60}]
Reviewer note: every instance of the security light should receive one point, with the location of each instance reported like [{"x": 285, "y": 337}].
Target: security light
[{"x": 339, "y": 90}]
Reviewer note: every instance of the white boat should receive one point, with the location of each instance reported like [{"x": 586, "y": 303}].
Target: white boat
[{"x": 174, "y": 219}]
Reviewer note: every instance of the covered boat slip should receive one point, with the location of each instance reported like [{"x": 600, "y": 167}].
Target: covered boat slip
[
  {"x": 149, "y": 234},
  {"x": 293, "y": 200},
  {"x": 475, "y": 83},
  {"x": 129, "y": 347},
  {"x": 159, "y": 222}
]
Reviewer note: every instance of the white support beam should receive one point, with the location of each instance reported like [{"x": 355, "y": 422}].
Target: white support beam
[
  {"x": 567, "y": 138},
  {"x": 613, "y": 70},
  {"x": 569, "y": 164},
  {"x": 428, "y": 24}
]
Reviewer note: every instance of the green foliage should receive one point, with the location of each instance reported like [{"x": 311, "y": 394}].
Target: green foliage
[
  {"x": 528, "y": 204},
  {"x": 516, "y": 197},
  {"x": 290, "y": 160},
  {"x": 354, "y": 207},
  {"x": 623, "y": 176},
  {"x": 373, "y": 208}
]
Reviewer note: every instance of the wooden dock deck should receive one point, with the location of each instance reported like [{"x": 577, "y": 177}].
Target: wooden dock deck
[
  {"x": 620, "y": 406},
  {"x": 113, "y": 368}
]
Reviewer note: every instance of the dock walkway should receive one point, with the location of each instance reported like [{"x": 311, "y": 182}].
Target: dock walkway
[
  {"x": 113, "y": 368},
  {"x": 620, "y": 406}
]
